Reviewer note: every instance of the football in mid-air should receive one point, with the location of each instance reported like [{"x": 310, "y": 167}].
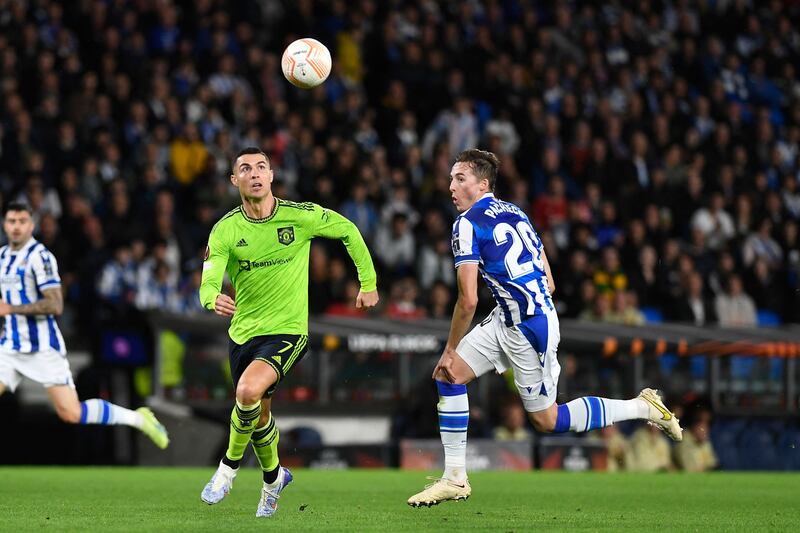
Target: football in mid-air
[{"x": 306, "y": 63}]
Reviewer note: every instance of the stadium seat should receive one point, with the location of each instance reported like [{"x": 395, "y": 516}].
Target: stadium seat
[
  {"x": 304, "y": 437},
  {"x": 742, "y": 366},
  {"x": 667, "y": 363},
  {"x": 758, "y": 448},
  {"x": 767, "y": 318},
  {"x": 698, "y": 366},
  {"x": 652, "y": 315},
  {"x": 724, "y": 437},
  {"x": 789, "y": 449}
]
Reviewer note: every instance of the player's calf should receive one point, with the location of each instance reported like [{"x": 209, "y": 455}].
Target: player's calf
[
  {"x": 71, "y": 414},
  {"x": 545, "y": 421}
]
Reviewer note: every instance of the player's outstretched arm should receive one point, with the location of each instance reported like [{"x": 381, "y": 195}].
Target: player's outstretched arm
[{"x": 332, "y": 225}]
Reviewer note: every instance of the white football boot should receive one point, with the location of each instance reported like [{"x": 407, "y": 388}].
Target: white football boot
[
  {"x": 268, "y": 503},
  {"x": 220, "y": 484},
  {"x": 439, "y": 491},
  {"x": 660, "y": 416}
]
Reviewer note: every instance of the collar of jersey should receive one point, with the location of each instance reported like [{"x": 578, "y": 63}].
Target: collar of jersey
[
  {"x": 31, "y": 242},
  {"x": 485, "y": 195},
  {"x": 261, "y": 220}
]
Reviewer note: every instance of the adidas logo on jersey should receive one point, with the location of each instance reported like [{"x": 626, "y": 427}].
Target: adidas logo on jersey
[{"x": 241, "y": 242}]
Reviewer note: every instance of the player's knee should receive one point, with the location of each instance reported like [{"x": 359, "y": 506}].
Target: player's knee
[
  {"x": 543, "y": 421},
  {"x": 249, "y": 393}
]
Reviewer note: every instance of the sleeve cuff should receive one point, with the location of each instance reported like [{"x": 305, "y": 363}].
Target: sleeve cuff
[
  {"x": 49, "y": 284},
  {"x": 460, "y": 262}
]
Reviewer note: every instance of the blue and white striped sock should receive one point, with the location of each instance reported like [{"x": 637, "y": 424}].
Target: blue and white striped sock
[
  {"x": 97, "y": 411},
  {"x": 453, "y": 408},
  {"x": 590, "y": 412}
]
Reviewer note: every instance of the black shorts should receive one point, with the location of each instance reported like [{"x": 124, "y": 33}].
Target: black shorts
[{"x": 281, "y": 352}]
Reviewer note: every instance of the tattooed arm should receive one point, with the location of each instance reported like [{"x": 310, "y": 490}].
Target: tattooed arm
[{"x": 51, "y": 304}]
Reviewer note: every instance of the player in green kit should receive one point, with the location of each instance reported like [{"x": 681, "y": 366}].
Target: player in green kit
[{"x": 263, "y": 245}]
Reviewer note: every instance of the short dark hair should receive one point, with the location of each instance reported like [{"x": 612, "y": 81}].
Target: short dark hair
[
  {"x": 247, "y": 151},
  {"x": 484, "y": 164},
  {"x": 19, "y": 206}
]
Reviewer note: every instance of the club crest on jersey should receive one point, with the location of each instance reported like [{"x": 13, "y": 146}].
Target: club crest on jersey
[{"x": 286, "y": 235}]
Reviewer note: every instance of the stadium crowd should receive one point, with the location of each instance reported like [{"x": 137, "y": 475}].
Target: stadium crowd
[{"x": 655, "y": 145}]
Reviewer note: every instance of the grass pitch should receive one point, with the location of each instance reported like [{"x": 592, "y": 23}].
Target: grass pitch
[{"x": 168, "y": 499}]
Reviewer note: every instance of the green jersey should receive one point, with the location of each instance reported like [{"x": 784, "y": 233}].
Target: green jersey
[{"x": 267, "y": 262}]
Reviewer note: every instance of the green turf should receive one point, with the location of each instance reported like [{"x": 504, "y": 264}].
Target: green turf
[{"x": 161, "y": 499}]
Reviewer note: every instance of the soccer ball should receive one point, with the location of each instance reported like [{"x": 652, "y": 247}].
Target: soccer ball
[{"x": 306, "y": 63}]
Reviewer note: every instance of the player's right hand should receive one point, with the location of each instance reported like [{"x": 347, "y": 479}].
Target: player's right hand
[
  {"x": 444, "y": 368},
  {"x": 224, "y": 306}
]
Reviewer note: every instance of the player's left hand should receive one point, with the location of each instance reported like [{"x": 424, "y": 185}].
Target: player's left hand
[
  {"x": 366, "y": 299},
  {"x": 5, "y": 309}
]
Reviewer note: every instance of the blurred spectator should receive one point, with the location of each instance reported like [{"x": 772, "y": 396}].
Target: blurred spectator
[
  {"x": 600, "y": 310},
  {"x": 440, "y": 301},
  {"x": 347, "y": 307},
  {"x": 608, "y": 231},
  {"x": 361, "y": 211},
  {"x": 648, "y": 279},
  {"x": 649, "y": 450},
  {"x": 617, "y": 446},
  {"x": 158, "y": 290},
  {"x": 734, "y": 307},
  {"x": 610, "y": 276},
  {"x": 319, "y": 292},
  {"x": 682, "y": 143},
  {"x": 695, "y": 452},
  {"x": 763, "y": 283},
  {"x": 456, "y": 127},
  {"x": 403, "y": 301},
  {"x": 395, "y": 246},
  {"x": 714, "y": 222},
  {"x": 550, "y": 209},
  {"x": 569, "y": 282},
  {"x": 761, "y": 245},
  {"x": 625, "y": 310},
  {"x": 513, "y": 422},
  {"x": 117, "y": 281},
  {"x": 188, "y": 155},
  {"x": 694, "y": 306},
  {"x": 436, "y": 264},
  {"x": 189, "y": 292}
]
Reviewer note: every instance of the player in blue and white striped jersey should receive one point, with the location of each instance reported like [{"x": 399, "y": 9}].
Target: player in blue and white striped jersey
[
  {"x": 31, "y": 344},
  {"x": 495, "y": 239}
]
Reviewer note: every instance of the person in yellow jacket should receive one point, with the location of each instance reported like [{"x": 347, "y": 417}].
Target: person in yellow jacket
[{"x": 188, "y": 155}]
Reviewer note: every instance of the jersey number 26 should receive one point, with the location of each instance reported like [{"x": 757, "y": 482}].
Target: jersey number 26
[{"x": 522, "y": 236}]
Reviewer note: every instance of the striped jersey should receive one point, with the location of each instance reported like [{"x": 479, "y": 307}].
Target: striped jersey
[
  {"x": 498, "y": 236},
  {"x": 24, "y": 274}
]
